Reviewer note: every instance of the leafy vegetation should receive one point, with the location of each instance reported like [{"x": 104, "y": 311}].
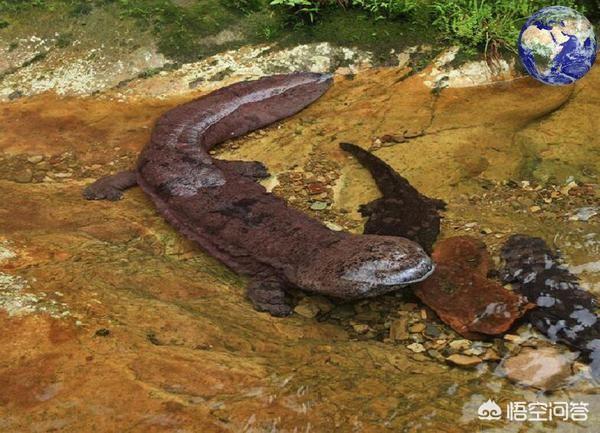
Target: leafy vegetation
[
  {"x": 483, "y": 23},
  {"x": 181, "y": 26},
  {"x": 475, "y": 24}
]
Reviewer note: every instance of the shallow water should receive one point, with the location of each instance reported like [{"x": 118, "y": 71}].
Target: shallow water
[{"x": 110, "y": 319}]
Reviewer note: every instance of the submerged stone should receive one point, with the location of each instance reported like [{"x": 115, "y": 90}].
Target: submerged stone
[
  {"x": 464, "y": 360},
  {"x": 544, "y": 368},
  {"x": 398, "y": 329}
]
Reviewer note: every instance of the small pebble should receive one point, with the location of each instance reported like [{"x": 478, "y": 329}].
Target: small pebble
[
  {"x": 435, "y": 354},
  {"x": 35, "y": 159},
  {"x": 306, "y": 308},
  {"x": 512, "y": 338},
  {"x": 102, "y": 332},
  {"x": 490, "y": 355},
  {"x": 460, "y": 344},
  {"x": 474, "y": 351},
  {"x": 360, "y": 328},
  {"x": 417, "y": 327},
  {"x": 333, "y": 226},
  {"x": 432, "y": 331},
  {"x": 24, "y": 176},
  {"x": 416, "y": 347},
  {"x": 318, "y": 205}
]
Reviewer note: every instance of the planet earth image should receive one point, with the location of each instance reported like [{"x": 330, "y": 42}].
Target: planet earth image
[{"x": 557, "y": 45}]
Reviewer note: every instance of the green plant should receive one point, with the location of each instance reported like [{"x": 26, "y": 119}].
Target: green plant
[
  {"x": 245, "y": 6},
  {"x": 484, "y": 24},
  {"x": 388, "y": 8},
  {"x": 305, "y": 9}
]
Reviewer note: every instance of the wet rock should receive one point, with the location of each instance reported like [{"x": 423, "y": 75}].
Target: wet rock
[
  {"x": 307, "y": 308},
  {"x": 490, "y": 355},
  {"x": 23, "y": 176},
  {"x": 444, "y": 74},
  {"x": 460, "y": 344},
  {"x": 435, "y": 354},
  {"x": 461, "y": 294},
  {"x": 35, "y": 159},
  {"x": 464, "y": 360},
  {"x": 432, "y": 331},
  {"x": 417, "y": 327},
  {"x": 513, "y": 338},
  {"x": 324, "y": 304},
  {"x": 360, "y": 328},
  {"x": 398, "y": 329},
  {"x": 544, "y": 368}
]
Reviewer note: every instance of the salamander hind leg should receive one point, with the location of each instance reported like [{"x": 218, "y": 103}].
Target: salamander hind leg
[
  {"x": 110, "y": 187},
  {"x": 269, "y": 296}
]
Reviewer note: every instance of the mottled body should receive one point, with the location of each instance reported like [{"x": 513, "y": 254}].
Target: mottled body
[{"x": 565, "y": 311}]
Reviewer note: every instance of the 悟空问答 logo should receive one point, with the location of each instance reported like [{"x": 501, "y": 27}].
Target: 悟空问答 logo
[{"x": 489, "y": 410}]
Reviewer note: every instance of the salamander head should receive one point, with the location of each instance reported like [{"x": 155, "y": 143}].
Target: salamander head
[{"x": 362, "y": 266}]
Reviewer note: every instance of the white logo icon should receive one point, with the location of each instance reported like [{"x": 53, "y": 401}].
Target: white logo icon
[{"x": 489, "y": 410}]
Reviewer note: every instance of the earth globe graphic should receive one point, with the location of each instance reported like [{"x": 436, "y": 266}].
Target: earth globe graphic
[{"x": 557, "y": 45}]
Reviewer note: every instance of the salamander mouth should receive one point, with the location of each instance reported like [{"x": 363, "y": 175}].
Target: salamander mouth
[{"x": 397, "y": 270}]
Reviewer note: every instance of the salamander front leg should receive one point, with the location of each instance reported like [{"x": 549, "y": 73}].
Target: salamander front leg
[
  {"x": 110, "y": 187},
  {"x": 269, "y": 295}
]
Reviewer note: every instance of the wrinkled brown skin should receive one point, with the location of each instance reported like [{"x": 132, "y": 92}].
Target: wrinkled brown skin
[
  {"x": 219, "y": 205},
  {"x": 566, "y": 312},
  {"x": 402, "y": 210},
  {"x": 461, "y": 294}
]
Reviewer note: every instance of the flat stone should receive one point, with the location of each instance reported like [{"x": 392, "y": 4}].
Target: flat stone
[
  {"x": 464, "y": 360},
  {"x": 545, "y": 368}
]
